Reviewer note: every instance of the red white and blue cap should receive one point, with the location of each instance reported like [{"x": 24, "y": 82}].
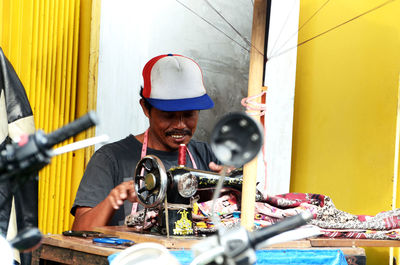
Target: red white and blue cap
[{"x": 173, "y": 82}]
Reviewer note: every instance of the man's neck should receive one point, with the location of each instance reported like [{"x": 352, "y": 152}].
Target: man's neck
[{"x": 140, "y": 137}]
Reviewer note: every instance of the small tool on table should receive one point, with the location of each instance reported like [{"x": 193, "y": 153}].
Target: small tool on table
[
  {"x": 87, "y": 234},
  {"x": 113, "y": 242}
]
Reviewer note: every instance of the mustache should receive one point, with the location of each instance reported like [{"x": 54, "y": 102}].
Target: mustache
[{"x": 181, "y": 132}]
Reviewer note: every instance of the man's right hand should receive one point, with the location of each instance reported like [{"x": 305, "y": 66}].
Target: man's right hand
[
  {"x": 124, "y": 191},
  {"x": 86, "y": 218}
]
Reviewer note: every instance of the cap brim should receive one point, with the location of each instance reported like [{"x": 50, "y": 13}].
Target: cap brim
[{"x": 198, "y": 103}]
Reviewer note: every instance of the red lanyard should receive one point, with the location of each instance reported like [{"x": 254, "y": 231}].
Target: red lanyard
[{"x": 144, "y": 149}]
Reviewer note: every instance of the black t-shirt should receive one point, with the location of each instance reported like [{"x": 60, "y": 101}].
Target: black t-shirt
[{"x": 115, "y": 163}]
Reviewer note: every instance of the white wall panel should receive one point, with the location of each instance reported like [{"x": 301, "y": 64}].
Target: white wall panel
[
  {"x": 280, "y": 77},
  {"x": 132, "y": 32}
]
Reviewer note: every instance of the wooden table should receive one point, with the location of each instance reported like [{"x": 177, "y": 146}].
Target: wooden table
[
  {"x": 350, "y": 247},
  {"x": 349, "y": 242},
  {"x": 59, "y": 249}
]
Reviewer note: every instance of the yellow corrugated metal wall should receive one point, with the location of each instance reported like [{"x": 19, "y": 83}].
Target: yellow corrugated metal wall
[{"x": 41, "y": 39}]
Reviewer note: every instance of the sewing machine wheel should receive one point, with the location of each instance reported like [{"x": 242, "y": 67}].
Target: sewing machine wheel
[{"x": 150, "y": 181}]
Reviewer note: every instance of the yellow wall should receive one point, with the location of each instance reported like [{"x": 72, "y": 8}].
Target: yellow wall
[
  {"x": 346, "y": 106},
  {"x": 42, "y": 40}
]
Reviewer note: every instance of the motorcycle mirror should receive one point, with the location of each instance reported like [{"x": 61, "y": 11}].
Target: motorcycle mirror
[{"x": 236, "y": 139}]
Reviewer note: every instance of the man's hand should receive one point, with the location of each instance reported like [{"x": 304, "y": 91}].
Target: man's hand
[
  {"x": 218, "y": 168},
  {"x": 124, "y": 191},
  {"x": 136, "y": 219},
  {"x": 86, "y": 218}
]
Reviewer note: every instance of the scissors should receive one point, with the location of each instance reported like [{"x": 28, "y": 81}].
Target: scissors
[{"x": 85, "y": 234}]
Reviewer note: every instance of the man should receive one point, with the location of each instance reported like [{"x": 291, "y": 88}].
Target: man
[{"x": 172, "y": 95}]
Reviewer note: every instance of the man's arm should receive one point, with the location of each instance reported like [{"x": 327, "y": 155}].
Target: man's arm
[{"x": 86, "y": 218}]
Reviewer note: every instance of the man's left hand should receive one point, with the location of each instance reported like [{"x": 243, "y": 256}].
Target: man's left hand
[{"x": 218, "y": 168}]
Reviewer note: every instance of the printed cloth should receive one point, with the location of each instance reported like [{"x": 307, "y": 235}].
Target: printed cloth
[
  {"x": 227, "y": 208},
  {"x": 331, "y": 221}
]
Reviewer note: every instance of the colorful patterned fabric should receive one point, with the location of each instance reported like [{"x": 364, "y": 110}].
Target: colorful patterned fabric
[
  {"x": 225, "y": 207},
  {"x": 331, "y": 221}
]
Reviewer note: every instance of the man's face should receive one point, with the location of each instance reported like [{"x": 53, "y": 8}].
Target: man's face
[{"x": 169, "y": 129}]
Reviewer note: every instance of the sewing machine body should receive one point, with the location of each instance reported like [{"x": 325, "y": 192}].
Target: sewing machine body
[{"x": 175, "y": 190}]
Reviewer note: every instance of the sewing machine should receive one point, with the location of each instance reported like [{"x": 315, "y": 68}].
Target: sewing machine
[
  {"x": 175, "y": 189},
  {"x": 235, "y": 140}
]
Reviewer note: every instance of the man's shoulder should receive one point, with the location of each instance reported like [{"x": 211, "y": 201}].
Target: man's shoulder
[
  {"x": 197, "y": 143},
  {"x": 124, "y": 145},
  {"x": 199, "y": 146},
  {"x": 119, "y": 153}
]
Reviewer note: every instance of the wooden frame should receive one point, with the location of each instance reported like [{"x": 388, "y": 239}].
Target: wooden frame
[{"x": 256, "y": 73}]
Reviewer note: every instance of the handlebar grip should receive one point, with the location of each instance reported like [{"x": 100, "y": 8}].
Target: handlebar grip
[
  {"x": 71, "y": 129},
  {"x": 287, "y": 224},
  {"x": 27, "y": 239}
]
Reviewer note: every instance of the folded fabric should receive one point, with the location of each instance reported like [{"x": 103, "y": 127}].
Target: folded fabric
[{"x": 333, "y": 222}]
